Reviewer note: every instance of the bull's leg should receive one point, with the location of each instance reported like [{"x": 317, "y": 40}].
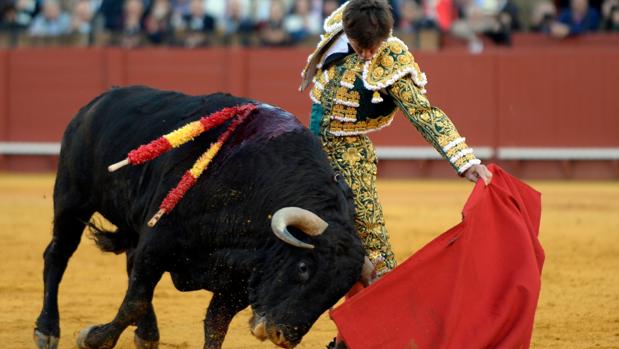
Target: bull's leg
[
  {"x": 69, "y": 217},
  {"x": 221, "y": 310},
  {"x": 147, "y": 332},
  {"x": 145, "y": 274}
]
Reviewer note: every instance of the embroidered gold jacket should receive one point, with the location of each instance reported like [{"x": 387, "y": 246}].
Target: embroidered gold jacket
[{"x": 357, "y": 97}]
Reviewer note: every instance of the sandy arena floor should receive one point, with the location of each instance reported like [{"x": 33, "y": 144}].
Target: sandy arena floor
[{"x": 579, "y": 305}]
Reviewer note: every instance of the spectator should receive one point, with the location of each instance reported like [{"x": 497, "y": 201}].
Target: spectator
[
  {"x": 51, "y": 22},
  {"x": 82, "y": 18},
  {"x": 272, "y": 32},
  {"x": 611, "y": 22},
  {"x": 157, "y": 23},
  {"x": 440, "y": 12},
  {"x": 411, "y": 16},
  {"x": 234, "y": 21},
  {"x": 181, "y": 8},
  {"x": 609, "y": 14},
  {"x": 543, "y": 16},
  {"x": 492, "y": 18},
  {"x": 25, "y": 11},
  {"x": 506, "y": 22},
  {"x": 316, "y": 8},
  {"x": 578, "y": 19},
  {"x": 133, "y": 11},
  {"x": 328, "y": 6},
  {"x": 261, "y": 9},
  {"x": 563, "y": 4},
  {"x": 509, "y": 16},
  {"x": 7, "y": 14},
  {"x": 219, "y": 9},
  {"x": 16, "y": 15},
  {"x": 302, "y": 22},
  {"x": 113, "y": 15},
  {"x": 607, "y": 7},
  {"x": 234, "y": 24},
  {"x": 196, "y": 25},
  {"x": 525, "y": 11}
]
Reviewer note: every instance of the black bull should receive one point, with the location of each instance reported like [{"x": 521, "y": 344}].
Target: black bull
[{"x": 219, "y": 237}]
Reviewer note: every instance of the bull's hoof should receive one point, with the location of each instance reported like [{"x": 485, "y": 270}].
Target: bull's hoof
[
  {"x": 45, "y": 342},
  {"x": 81, "y": 338},
  {"x": 144, "y": 344},
  {"x": 96, "y": 337}
]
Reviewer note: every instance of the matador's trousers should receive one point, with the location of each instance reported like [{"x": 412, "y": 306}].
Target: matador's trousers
[{"x": 355, "y": 159}]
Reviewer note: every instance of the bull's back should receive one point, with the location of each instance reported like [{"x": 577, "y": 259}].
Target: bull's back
[
  {"x": 118, "y": 121},
  {"x": 124, "y": 118}
]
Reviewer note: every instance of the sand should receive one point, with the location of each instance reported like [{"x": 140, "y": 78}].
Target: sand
[{"x": 578, "y": 308}]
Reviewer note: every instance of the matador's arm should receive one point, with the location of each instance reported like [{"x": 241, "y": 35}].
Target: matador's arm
[{"x": 433, "y": 124}]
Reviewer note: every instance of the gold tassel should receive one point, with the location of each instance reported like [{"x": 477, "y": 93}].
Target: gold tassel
[{"x": 376, "y": 98}]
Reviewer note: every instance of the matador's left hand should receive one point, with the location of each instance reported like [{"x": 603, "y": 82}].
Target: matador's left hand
[{"x": 477, "y": 172}]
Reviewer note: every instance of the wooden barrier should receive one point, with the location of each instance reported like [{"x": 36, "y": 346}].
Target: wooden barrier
[{"x": 525, "y": 98}]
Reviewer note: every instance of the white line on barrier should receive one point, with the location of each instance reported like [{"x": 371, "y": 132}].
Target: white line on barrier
[
  {"x": 29, "y": 148},
  {"x": 540, "y": 153},
  {"x": 392, "y": 153},
  {"x": 423, "y": 153}
]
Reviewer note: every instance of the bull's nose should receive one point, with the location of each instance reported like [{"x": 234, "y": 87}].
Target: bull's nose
[
  {"x": 259, "y": 331},
  {"x": 278, "y": 338},
  {"x": 257, "y": 326}
]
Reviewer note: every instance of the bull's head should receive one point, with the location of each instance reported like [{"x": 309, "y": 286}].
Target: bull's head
[{"x": 290, "y": 294}]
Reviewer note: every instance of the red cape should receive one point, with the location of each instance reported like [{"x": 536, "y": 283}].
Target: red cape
[{"x": 474, "y": 286}]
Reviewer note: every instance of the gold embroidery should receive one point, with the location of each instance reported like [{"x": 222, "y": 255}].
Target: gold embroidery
[
  {"x": 431, "y": 122},
  {"x": 331, "y": 72},
  {"x": 349, "y": 77},
  {"x": 345, "y": 112},
  {"x": 316, "y": 93},
  {"x": 346, "y": 95},
  {"x": 334, "y": 20},
  {"x": 355, "y": 159},
  {"x": 395, "y": 47},
  {"x": 407, "y": 97},
  {"x": 443, "y": 140},
  {"x": 359, "y": 127},
  {"x": 406, "y": 60},
  {"x": 392, "y": 62},
  {"x": 351, "y": 155},
  {"x": 455, "y": 149},
  {"x": 387, "y": 61},
  {"x": 378, "y": 72}
]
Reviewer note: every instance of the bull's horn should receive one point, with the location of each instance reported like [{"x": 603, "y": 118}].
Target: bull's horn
[{"x": 305, "y": 220}]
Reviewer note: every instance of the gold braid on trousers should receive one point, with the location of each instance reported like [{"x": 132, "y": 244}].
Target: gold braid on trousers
[{"x": 354, "y": 158}]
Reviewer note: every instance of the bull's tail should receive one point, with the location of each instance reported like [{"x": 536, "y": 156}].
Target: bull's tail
[{"x": 117, "y": 241}]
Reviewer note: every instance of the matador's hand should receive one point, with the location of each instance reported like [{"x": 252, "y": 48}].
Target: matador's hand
[{"x": 477, "y": 172}]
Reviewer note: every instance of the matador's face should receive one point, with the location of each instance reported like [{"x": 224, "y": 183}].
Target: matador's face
[{"x": 365, "y": 53}]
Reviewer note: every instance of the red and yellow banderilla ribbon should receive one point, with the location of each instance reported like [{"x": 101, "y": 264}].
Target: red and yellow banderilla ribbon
[{"x": 179, "y": 137}]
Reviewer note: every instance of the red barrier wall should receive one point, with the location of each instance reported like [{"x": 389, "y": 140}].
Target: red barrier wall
[{"x": 528, "y": 97}]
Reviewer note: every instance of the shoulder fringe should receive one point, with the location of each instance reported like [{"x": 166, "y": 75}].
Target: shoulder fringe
[{"x": 393, "y": 75}]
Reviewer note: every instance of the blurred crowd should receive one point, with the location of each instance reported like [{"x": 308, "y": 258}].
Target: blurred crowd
[{"x": 194, "y": 23}]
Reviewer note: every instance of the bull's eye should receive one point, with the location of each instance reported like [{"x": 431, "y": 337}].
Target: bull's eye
[{"x": 303, "y": 270}]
